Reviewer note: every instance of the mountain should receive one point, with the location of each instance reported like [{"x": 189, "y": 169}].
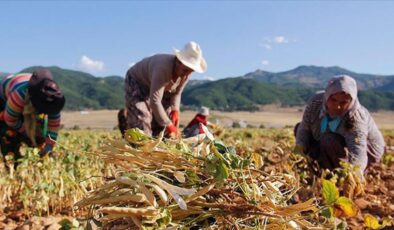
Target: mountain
[
  {"x": 194, "y": 83},
  {"x": 243, "y": 94},
  {"x": 247, "y": 93},
  {"x": 315, "y": 76},
  {"x": 389, "y": 86},
  {"x": 85, "y": 91},
  {"x": 289, "y": 88},
  {"x": 377, "y": 100}
]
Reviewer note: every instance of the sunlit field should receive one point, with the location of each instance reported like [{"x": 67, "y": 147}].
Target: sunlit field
[
  {"x": 245, "y": 178},
  {"x": 270, "y": 116}
]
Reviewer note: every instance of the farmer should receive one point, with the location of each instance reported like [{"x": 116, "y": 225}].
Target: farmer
[
  {"x": 335, "y": 127},
  {"x": 154, "y": 86},
  {"x": 30, "y": 106},
  {"x": 195, "y": 126}
]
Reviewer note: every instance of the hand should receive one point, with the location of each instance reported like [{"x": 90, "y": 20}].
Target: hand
[
  {"x": 171, "y": 131},
  {"x": 46, "y": 150},
  {"x": 174, "y": 117},
  {"x": 47, "y": 147}
]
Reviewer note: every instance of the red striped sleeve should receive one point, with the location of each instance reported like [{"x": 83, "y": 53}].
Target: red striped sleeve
[{"x": 13, "y": 111}]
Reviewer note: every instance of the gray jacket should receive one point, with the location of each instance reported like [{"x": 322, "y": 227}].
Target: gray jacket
[{"x": 364, "y": 134}]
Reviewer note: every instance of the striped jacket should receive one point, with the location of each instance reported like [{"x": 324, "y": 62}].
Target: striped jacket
[
  {"x": 13, "y": 91},
  {"x": 364, "y": 134}
]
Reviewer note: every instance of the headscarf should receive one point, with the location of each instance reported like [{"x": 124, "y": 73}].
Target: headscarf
[
  {"x": 340, "y": 83},
  {"x": 45, "y": 94}
]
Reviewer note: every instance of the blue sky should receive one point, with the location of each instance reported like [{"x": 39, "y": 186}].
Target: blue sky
[{"x": 237, "y": 37}]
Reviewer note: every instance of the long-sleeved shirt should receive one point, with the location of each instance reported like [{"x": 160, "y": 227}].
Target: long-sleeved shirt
[
  {"x": 13, "y": 91},
  {"x": 364, "y": 134},
  {"x": 156, "y": 73}
]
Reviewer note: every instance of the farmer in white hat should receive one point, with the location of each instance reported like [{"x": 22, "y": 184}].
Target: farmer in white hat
[{"x": 154, "y": 86}]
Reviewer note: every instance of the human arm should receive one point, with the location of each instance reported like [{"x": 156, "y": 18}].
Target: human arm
[
  {"x": 303, "y": 132},
  {"x": 356, "y": 142},
  {"x": 13, "y": 111},
  {"x": 158, "y": 82},
  {"x": 157, "y": 87},
  {"x": 51, "y": 135}
]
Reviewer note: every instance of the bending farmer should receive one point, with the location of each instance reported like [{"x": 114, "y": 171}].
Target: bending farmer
[
  {"x": 30, "y": 106},
  {"x": 335, "y": 127},
  {"x": 154, "y": 86}
]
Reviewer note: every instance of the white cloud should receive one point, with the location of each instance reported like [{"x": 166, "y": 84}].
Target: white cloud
[
  {"x": 269, "y": 43},
  {"x": 131, "y": 64},
  {"x": 265, "y": 62},
  {"x": 89, "y": 65},
  {"x": 280, "y": 40},
  {"x": 208, "y": 78}
]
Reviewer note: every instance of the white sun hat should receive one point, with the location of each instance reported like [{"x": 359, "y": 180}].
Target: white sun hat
[
  {"x": 203, "y": 111},
  {"x": 191, "y": 56}
]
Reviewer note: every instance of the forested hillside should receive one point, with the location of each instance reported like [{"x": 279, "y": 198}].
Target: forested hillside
[{"x": 290, "y": 88}]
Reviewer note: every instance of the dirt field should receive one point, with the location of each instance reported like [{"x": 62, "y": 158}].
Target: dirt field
[{"x": 270, "y": 117}]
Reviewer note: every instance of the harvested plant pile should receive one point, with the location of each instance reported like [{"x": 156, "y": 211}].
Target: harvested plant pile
[{"x": 194, "y": 182}]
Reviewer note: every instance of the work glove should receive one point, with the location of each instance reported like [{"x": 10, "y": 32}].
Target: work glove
[
  {"x": 174, "y": 117},
  {"x": 47, "y": 147},
  {"x": 171, "y": 131}
]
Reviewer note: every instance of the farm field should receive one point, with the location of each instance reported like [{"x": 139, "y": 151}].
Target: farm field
[
  {"x": 269, "y": 117},
  {"x": 241, "y": 75},
  {"x": 41, "y": 193}
]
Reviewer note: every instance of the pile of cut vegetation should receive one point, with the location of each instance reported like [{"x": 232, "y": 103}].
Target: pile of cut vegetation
[{"x": 197, "y": 182}]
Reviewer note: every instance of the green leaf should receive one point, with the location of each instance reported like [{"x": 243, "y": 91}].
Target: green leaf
[
  {"x": 65, "y": 224},
  {"x": 220, "y": 146},
  {"x": 342, "y": 226},
  {"x": 330, "y": 192},
  {"x": 136, "y": 135},
  {"x": 192, "y": 177},
  {"x": 221, "y": 172},
  {"x": 327, "y": 212},
  {"x": 216, "y": 165},
  {"x": 234, "y": 160}
]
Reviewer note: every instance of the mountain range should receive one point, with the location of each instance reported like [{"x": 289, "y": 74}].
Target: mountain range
[
  {"x": 288, "y": 88},
  {"x": 317, "y": 77}
]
